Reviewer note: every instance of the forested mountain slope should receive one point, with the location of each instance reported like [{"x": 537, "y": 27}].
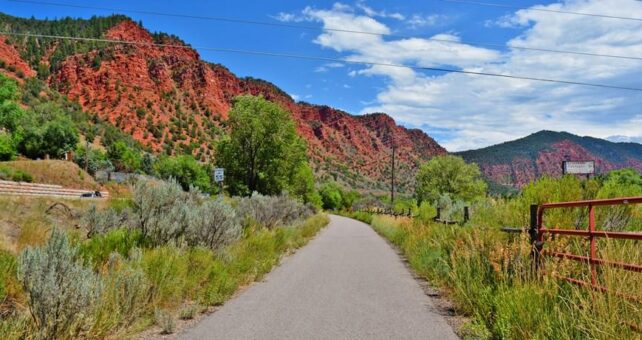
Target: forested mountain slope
[{"x": 173, "y": 102}]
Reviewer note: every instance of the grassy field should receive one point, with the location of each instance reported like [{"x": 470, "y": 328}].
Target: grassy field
[{"x": 489, "y": 277}]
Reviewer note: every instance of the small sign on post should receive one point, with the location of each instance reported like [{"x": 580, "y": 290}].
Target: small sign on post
[
  {"x": 219, "y": 175},
  {"x": 579, "y": 168}
]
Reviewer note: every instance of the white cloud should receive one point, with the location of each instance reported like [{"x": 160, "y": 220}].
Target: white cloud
[
  {"x": 289, "y": 17},
  {"x": 369, "y": 11},
  {"x": 625, "y": 139},
  {"x": 327, "y": 66},
  {"x": 296, "y": 97},
  {"x": 419, "y": 21},
  {"x": 473, "y": 111}
]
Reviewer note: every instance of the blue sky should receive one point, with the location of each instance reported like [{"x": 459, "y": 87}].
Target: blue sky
[{"x": 460, "y": 111}]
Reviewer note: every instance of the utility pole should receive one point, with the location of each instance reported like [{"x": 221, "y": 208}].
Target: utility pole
[
  {"x": 87, "y": 154},
  {"x": 392, "y": 177}
]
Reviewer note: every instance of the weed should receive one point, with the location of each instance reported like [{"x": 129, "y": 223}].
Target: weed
[
  {"x": 165, "y": 320},
  {"x": 188, "y": 312}
]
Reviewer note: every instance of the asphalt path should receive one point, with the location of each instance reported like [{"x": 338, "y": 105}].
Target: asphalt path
[{"x": 347, "y": 283}]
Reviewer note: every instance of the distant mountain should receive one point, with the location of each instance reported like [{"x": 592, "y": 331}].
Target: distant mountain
[
  {"x": 171, "y": 101},
  {"x": 516, "y": 163}
]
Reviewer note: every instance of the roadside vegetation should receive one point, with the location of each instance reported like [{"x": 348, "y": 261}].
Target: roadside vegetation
[
  {"x": 164, "y": 251},
  {"x": 164, "y": 255},
  {"x": 489, "y": 274}
]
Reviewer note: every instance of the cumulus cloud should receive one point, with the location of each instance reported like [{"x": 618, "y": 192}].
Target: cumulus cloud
[{"x": 467, "y": 111}]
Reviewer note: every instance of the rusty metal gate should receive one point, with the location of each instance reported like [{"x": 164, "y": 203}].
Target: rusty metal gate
[{"x": 539, "y": 230}]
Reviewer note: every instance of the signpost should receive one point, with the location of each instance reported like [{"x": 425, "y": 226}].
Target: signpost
[
  {"x": 219, "y": 176},
  {"x": 579, "y": 168}
]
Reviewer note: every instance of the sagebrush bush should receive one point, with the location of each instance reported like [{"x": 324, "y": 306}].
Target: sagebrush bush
[
  {"x": 161, "y": 210},
  {"x": 272, "y": 211},
  {"x": 212, "y": 224},
  {"x": 100, "y": 222},
  {"x": 166, "y": 322},
  {"x": 61, "y": 290}
]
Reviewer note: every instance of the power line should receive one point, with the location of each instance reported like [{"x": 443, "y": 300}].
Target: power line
[
  {"x": 330, "y": 29},
  {"x": 548, "y": 10},
  {"x": 328, "y": 59}
]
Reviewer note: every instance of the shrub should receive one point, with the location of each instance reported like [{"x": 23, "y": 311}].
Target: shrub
[
  {"x": 101, "y": 246},
  {"x": 15, "y": 175},
  {"x": 188, "y": 312},
  {"x": 272, "y": 211},
  {"x": 60, "y": 289},
  {"x": 449, "y": 208},
  {"x": 161, "y": 210},
  {"x": 166, "y": 322},
  {"x": 212, "y": 225},
  {"x": 331, "y": 196},
  {"x": 185, "y": 170},
  {"x": 7, "y": 147},
  {"x": 100, "y": 222},
  {"x": 426, "y": 212}
]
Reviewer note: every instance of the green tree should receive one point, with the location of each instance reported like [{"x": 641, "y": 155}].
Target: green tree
[
  {"x": 10, "y": 111},
  {"x": 58, "y": 137},
  {"x": 124, "y": 157},
  {"x": 263, "y": 152},
  {"x": 185, "y": 170},
  {"x": 449, "y": 175},
  {"x": 331, "y": 196},
  {"x": 302, "y": 186},
  {"x": 7, "y": 147}
]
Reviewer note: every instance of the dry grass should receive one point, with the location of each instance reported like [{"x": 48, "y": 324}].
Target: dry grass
[
  {"x": 24, "y": 221},
  {"x": 489, "y": 276},
  {"x": 64, "y": 173}
]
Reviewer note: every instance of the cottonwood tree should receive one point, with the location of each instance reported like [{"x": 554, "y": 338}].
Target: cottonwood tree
[
  {"x": 452, "y": 176},
  {"x": 263, "y": 152}
]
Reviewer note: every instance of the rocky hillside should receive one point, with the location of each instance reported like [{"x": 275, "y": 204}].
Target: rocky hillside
[
  {"x": 518, "y": 162},
  {"x": 171, "y": 101}
]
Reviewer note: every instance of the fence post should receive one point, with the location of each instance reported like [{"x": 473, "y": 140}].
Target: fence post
[
  {"x": 466, "y": 215},
  {"x": 438, "y": 217},
  {"x": 533, "y": 232},
  {"x": 593, "y": 241}
]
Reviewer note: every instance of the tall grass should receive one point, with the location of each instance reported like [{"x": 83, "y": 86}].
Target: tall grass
[
  {"x": 142, "y": 285},
  {"x": 490, "y": 278}
]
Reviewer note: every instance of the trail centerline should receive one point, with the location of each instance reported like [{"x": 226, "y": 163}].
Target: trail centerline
[{"x": 347, "y": 283}]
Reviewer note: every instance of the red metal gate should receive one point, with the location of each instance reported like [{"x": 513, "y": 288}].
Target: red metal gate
[{"x": 539, "y": 230}]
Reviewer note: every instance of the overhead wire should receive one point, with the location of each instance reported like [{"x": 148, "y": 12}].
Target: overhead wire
[
  {"x": 331, "y": 29},
  {"x": 539, "y": 9},
  {"x": 328, "y": 59}
]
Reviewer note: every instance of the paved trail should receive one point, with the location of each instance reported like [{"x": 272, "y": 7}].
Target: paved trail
[{"x": 347, "y": 283}]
